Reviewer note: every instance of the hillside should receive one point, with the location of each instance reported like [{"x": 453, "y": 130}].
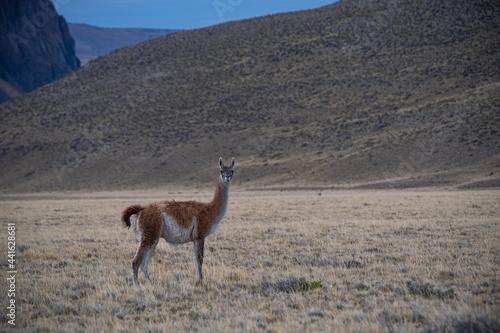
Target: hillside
[
  {"x": 35, "y": 47},
  {"x": 356, "y": 94},
  {"x": 92, "y": 42}
]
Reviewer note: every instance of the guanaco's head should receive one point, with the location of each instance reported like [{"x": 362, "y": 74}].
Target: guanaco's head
[{"x": 226, "y": 172}]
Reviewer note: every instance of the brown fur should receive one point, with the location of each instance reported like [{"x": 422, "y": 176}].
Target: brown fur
[
  {"x": 132, "y": 210},
  {"x": 150, "y": 221},
  {"x": 184, "y": 211}
]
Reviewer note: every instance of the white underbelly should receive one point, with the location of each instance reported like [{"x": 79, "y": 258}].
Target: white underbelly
[{"x": 173, "y": 233}]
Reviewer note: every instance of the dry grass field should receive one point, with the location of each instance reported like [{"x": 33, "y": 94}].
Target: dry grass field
[{"x": 343, "y": 261}]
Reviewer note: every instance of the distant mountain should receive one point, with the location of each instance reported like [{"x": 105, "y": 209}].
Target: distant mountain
[
  {"x": 35, "y": 47},
  {"x": 93, "y": 42},
  {"x": 358, "y": 94}
]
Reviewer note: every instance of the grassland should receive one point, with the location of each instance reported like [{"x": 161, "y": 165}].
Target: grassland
[{"x": 344, "y": 261}]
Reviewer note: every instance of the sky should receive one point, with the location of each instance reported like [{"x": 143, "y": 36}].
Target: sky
[{"x": 174, "y": 14}]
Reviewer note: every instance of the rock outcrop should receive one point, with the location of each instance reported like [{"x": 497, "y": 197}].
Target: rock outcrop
[{"x": 36, "y": 47}]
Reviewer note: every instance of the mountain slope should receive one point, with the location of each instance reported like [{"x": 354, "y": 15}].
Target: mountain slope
[
  {"x": 371, "y": 94},
  {"x": 35, "y": 47},
  {"x": 92, "y": 42}
]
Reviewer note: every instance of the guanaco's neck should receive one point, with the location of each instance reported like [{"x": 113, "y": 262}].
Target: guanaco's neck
[{"x": 221, "y": 198}]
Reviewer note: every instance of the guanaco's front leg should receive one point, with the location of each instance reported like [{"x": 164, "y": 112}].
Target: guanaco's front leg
[{"x": 198, "y": 256}]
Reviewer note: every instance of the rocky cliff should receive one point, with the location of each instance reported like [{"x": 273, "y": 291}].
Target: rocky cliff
[{"x": 36, "y": 47}]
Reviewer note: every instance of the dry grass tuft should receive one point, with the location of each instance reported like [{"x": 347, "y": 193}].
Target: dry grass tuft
[{"x": 290, "y": 261}]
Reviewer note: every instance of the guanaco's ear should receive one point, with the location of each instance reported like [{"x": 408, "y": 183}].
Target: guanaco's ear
[
  {"x": 232, "y": 164},
  {"x": 221, "y": 165}
]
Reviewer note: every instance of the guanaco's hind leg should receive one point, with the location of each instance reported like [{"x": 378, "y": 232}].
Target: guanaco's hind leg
[
  {"x": 147, "y": 257},
  {"x": 149, "y": 229},
  {"x": 142, "y": 257}
]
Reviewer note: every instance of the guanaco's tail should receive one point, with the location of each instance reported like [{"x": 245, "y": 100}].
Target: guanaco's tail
[{"x": 129, "y": 211}]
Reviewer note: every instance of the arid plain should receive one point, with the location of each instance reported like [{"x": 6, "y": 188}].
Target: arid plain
[
  {"x": 395, "y": 102},
  {"x": 344, "y": 261}
]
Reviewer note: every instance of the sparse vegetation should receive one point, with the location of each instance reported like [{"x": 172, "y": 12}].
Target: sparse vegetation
[
  {"x": 281, "y": 261},
  {"x": 386, "y": 93},
  {"x": 360, "y": 94}
]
